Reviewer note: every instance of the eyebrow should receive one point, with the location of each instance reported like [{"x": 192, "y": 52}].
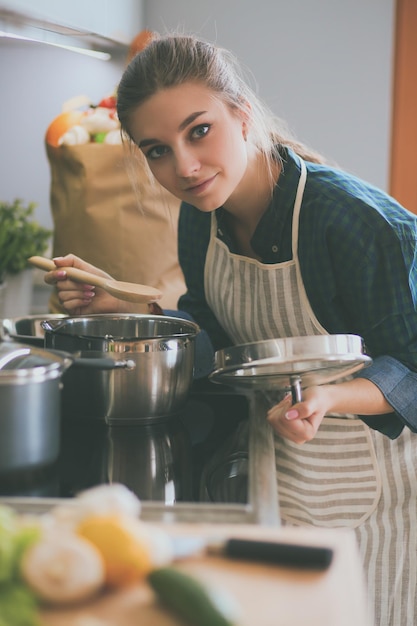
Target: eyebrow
[{"x": 188, "y": 120}]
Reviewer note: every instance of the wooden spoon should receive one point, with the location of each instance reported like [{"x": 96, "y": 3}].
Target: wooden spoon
[{"x": 131, "y": 292}]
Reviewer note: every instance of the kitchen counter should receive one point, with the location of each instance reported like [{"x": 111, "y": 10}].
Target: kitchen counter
[{"x": 267, "y": 595}]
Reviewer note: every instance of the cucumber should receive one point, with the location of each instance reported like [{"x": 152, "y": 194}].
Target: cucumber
[{"x": 191, "y": 599}]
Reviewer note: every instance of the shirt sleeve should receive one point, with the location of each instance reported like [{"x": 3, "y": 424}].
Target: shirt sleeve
[
  {"x": 398, "y": 384},
  {"x": 375, "y": 285},
  {"x": 386, "y": 318}
]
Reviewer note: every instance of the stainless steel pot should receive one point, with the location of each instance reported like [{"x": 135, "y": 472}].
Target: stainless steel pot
[
  {"x": 30, "y": 404},
  {"x": 161, "y": 347},
  {"x": 26, "y": 329}
]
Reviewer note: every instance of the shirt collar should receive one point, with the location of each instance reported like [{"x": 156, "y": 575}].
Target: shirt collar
[{"x": 271, "y": 234}]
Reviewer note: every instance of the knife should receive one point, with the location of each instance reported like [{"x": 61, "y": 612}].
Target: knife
[{"x": 273, "y": 552}]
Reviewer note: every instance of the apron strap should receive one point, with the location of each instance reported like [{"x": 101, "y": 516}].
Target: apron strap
[{"x": 297, "y": 208}]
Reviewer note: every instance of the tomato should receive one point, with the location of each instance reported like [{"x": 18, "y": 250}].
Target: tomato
[{"x": 108, "y": 103}]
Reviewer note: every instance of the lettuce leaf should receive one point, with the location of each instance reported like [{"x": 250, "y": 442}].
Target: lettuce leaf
[
  {"x": 7, "y": 544},
  {"x": 18, "y": 606},
  {"x": 14, "y": 540}
]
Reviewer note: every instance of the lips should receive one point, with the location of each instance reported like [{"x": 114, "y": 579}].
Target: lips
[{"x": 201, "y": 186}]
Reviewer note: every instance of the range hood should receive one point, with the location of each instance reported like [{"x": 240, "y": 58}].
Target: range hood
[{"x": 32, "y": 26}]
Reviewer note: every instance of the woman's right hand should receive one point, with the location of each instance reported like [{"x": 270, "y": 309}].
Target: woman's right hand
[{"x": 79, "y": 298}]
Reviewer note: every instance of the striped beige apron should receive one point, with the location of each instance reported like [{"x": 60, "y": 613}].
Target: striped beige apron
[{"x": 349, "y": 475}]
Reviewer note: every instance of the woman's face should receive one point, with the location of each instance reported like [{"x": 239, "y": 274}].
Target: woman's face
[{"x": 194, "y": 144}]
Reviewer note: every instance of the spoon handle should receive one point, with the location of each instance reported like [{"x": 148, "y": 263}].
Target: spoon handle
[
  {"x": 42, "y": 263},
  {"x": 72, "y": 272}
]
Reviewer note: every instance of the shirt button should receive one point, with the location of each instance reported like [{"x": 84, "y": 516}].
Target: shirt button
[
  {"x": 274, "y": 248},
  {"x": 220, "y": 232}
]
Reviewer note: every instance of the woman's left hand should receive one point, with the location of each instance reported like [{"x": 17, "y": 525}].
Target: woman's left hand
[{"x": 299, "y": 422}]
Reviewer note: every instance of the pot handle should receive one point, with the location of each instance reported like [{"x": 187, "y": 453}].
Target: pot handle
[
  {"x": 51, "y": 325},
  {"x": 296, "y": 391},
  {"x": 93, "y": 362},
  {"x": 104, "y": 364}
]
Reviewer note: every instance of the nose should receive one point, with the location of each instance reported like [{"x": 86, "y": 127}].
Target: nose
[{"x": 186, "y": 163}]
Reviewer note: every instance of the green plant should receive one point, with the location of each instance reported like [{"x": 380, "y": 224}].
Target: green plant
[{"x": 20, "y": 237}]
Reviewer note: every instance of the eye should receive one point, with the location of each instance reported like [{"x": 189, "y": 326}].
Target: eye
[
  {"x": 156, "y": 152},
  {"x": 200, "y": 131}
]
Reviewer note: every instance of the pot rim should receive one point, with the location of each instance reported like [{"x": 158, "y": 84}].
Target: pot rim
[{"x": 58, "y": 326}]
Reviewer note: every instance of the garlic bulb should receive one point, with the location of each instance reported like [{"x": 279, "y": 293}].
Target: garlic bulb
[{"x": 63, "y": 568}]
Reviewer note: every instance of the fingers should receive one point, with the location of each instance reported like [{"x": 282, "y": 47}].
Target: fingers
[
  {"x": 75, "y": 297},
  {"x": 54, "y": 276},
  {"x": 72, "y": 295},
  {"x": 71, "y": 298},
  {"x": 294, "y": 422},
  {"x": 69, "y": 260},
  {"x": 80, "y": 298},
  {"x": 69, "y": 290}
]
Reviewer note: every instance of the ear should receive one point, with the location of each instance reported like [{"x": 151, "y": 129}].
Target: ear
[
  {"x": 246, "y": 116},
  {"x": 244, "y": 126}
]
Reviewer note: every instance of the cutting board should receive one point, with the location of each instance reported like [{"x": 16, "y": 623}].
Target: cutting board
[{"x": 268, "y": 595}]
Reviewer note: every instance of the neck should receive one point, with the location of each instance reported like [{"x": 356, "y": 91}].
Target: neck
[{"x": 252, "y": 197}]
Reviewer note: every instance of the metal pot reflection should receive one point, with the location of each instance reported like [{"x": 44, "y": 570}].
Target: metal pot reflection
[
  {"x": 226, "y": 476},
  {"x": 154, "y": 461}
]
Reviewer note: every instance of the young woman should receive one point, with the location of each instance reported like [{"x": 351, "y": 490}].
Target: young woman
[{"x": 275, "y": 243}]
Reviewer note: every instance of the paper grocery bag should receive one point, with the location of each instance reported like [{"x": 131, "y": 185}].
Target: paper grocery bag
[{"x": 128, "y": 231}]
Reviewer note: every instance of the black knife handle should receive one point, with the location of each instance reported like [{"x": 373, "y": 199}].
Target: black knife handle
[{"x": 293, "y": 555}]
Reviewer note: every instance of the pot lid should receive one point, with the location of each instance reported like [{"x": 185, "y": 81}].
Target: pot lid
[
  {"x": 277, "y": 363},
  {"x": 20, "y": 362}
]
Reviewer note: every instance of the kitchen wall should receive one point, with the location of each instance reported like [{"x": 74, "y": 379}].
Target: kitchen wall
[
  {"x": 323, "y": 65},
  {"x": 35, "y": 82}
]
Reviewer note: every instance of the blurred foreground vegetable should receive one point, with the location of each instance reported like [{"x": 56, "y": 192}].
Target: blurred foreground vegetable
[
  {"x": 192, "y": 600},
  {"x": 18, "y": 605},
  {"x": 93, "y": 542},
  {"x": 123, "y": 544},
  {"x": 77, "y": 549},
  {"x": 62, "y": 568}
]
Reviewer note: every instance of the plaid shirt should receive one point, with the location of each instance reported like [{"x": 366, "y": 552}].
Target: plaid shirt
[{"x": 358, "y": 257}]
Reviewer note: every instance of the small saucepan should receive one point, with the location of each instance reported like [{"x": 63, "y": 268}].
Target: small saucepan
[{"x": 30, "y": 402}]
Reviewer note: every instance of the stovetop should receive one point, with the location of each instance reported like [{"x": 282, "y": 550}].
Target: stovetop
[{"x": 198, "y": 455}]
